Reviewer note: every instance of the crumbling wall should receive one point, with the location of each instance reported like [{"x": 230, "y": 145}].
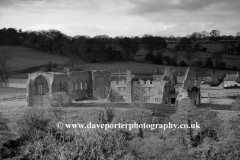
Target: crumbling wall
[
  {"x": 81, "y": 84},
  {"x": 101, "y": 81}
]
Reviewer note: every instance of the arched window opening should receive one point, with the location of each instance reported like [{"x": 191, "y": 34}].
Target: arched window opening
[
  {"x": 41, "y": 86},
  {"x": 76, "y": 86},
  {"x": 81, "y": 86}
]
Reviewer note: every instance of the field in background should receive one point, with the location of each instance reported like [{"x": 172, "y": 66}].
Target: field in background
[
  {"x": 23, "y": 58},
  {"x": 12, "y": 92},
  {"x": 138, "y": 68},
  {"x": 230, "y": 60}
]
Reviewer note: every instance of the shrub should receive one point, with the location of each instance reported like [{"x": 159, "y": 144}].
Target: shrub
[
  {"x": 107, "y": 116},
  {"x": 96, "y": 144},
  {"x": 182, "y": 63},
  {"x": 166, "y": 59},
  {"x": 157, "y": 60},
  {"x": 57, "y": 102},
  {"x": 32, "y": 121},
  {"x": 222, "y": 65},
  {"x": 204, "y": 49},
  {"x": 173, "y": 62},
  {"x": 209, "y": 63},
  {"x": 44, "y": 69},
  {"x": 234, "y": 68},
  {"x": 149, "y": 57},
  {"x": 54, "y": 65},
  {"x": 235, "y": 105},
  {"x": 49, "y": 66}
]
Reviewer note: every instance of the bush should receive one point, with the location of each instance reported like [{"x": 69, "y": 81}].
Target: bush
[
  {"x": 222, "y": 65},
  {"x": 54, "y": 65},
  {"x": 173, "y": 62},
  {"x": 157, "y": 60},
  {"x": 49, "y": 66},
  {"x": 234, "y": 68},
  {"x": 182, "y": 63},
  {"x": 32, "y": 121},
  {"x": 149, "y": 57},
  {"x": 209, "y": 63},
  {"x": 44, "y": 69},
  {"x": 107, "y": 116},
  {"x": 57, "y": 102},
  {"x": 96, "y": 144},
  {"x": 166, "y": 59},
  {"x": 235, "y": 106},
  {"x": 204, "y": 49}
]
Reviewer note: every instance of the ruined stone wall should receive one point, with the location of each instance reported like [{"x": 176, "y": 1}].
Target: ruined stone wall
[
  {"x": 120, "y": 91},
  {"x": 81, "y": 84},
  {"x": 50, "y": 83},
  {"x": 101, "y": 81},
  {"x": 147, "y": 91},
  {"x": 169, "y": 94},
  {"x": 33, "y": 94}
]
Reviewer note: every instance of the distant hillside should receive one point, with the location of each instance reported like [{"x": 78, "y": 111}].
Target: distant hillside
[{"x": 22, "y": 58}]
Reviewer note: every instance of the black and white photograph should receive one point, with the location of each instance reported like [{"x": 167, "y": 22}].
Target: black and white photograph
[{"x": 119, "y": 79}]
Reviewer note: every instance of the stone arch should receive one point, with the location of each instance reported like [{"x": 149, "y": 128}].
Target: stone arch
[
  {"x": 40, "y": 85},
  {"x": 81, "y": 85}
]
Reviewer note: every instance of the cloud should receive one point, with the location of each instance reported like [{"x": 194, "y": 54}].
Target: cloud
[
  {"x": 122, "y": 17},
  {"x": 158, "y": 6}
]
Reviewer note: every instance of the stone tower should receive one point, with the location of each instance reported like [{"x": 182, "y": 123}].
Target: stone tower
[{"x": 129, "y": 86}]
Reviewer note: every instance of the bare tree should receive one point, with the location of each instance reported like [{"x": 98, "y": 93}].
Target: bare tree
[
  {"x": 198, "y": 69},
  {"x": 204, "y": 36},
  {"x": 3, "y": 63},
  {"x": 225, "y": 47},
  {"x": 72, "y": 55},
  {"x": 217, "y": 57}
]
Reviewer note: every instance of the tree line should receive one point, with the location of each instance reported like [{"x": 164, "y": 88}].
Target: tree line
[
  {"x": 103, "y": 48},
  {"x": 100, "y": 48}
]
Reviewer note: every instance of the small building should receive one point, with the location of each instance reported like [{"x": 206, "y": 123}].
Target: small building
[
  {"x": 231, "y": 80},
  {"x": 18, "y": 81}
]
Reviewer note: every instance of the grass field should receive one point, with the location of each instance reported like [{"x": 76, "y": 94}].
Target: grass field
[
  {"x": 12, "y": 92},
  {"x": 230, "y": 60},
  {"x": 114, "y": 67},
  {"x": 22, "y": 58}
]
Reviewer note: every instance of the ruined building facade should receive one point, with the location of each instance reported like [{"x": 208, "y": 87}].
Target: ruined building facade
[
  {"x": 76, "y": 84},
  {"x": 158, "y": 89},
  {"x": 161, "y": 88}
]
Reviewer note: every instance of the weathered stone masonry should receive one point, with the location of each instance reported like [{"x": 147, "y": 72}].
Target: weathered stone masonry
[
  {"x": 161, "y": 88},
  {"x": 77, "y": 84}
]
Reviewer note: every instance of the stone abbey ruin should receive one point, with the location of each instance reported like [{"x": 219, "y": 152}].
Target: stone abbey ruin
[{"x": 162, "y": 87}]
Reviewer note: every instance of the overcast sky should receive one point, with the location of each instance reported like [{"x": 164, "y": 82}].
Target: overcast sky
[{"x": 122, "y": 17}]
